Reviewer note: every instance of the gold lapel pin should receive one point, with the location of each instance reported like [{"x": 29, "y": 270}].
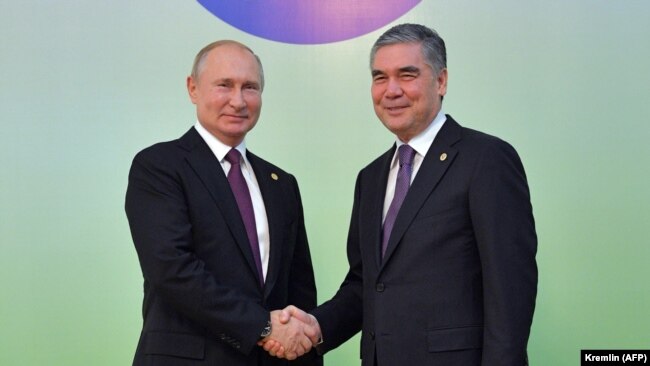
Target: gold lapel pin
[
  {"x": 274, "y": 176},
  {"x": 443, "y": 156}
]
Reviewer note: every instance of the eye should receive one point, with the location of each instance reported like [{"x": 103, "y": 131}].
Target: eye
[
  {"x": 251, "y": 88},
  {"x": 223, "y": 83}
]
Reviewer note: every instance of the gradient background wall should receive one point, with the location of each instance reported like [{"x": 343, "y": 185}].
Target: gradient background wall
[{"x": 84, "y": 85}]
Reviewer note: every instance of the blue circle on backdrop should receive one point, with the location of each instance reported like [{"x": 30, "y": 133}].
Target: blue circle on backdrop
[{"x": 308, "y": 21}]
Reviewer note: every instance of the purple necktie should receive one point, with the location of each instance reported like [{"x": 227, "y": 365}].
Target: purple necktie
[
  {"x": 243, "y": 198},
  {"x": 405, "y": 154}
]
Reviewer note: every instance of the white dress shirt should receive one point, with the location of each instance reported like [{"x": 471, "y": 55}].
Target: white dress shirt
[
  {"x": 219, "y": 149},
  {"x": 421, "y": 144}
]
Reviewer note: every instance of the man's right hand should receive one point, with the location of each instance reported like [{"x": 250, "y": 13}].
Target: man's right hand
[{"x": 297, "y": 332}]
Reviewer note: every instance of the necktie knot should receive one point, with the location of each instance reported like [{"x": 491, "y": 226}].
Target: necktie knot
[
  {"x": 406, "y": 155},
  {"x": 233, "y": 156}
]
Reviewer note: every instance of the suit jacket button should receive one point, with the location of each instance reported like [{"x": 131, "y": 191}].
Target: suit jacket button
[
  {"x": 380, "y": 287},
  {"x": 372, "y": 335}
]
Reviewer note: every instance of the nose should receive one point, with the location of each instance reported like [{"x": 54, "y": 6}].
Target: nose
[
  {"x": 237, "y": 100},
  {"x": 393, "y": 89}
]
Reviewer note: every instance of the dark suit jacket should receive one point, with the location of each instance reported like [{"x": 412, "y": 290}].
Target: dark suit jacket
[
  {"x": 458, "y": 282},
  {"x": 203, "y": 304}
]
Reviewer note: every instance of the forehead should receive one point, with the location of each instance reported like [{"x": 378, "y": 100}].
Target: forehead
[
  {"x": 397, "y": 56},
  {"x": 231, "y": 60}
]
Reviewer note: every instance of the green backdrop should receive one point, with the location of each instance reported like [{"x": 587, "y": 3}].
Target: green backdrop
[{"x": 84, "y": 85}]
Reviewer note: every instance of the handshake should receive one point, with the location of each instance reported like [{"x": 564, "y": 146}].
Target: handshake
[{"x": 293, "y": 333}]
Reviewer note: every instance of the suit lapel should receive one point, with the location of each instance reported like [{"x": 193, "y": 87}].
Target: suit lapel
[
  {"x": 433, "y": 168},
  {"x": 272, "y": 196},
  {"x": 377, "y": 195},
  {"x": 209, "y": 171}
]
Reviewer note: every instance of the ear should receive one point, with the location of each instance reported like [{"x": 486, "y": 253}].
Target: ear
[
  {"x": 442, "y": 82},
  {"x": 192, "y": 89}
]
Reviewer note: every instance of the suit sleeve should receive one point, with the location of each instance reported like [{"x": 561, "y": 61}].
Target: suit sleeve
[
  {"x": 302, "y": 285},
  {"x": 340, "y": 318},
  {"x": 162, "y": 233},
  {"x": 503, "y": 223}
]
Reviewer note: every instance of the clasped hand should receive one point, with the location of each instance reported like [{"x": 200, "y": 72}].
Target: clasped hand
[{"x": 293, "y": 333}]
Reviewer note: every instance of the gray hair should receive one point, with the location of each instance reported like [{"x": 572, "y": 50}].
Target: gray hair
[
  {"x": 433, "y": 46},
  {"x": 199, "y": 60}
]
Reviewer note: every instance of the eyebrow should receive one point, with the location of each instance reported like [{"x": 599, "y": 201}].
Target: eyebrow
[
  {"x": 222, "y": 80},
  {"x": 406, "y": 69},
  {"x": 252, "y": 83},
  {"x": 410, "y": 69},
  {"x": 231, "y": 81},
  {"x": 376, "y": 73}
]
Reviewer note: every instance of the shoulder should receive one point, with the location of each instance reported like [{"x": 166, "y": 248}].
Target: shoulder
[
  {"x": 162, "y": 154},
  {"x": 489, "y": 155},
  {"x": 483, "y": 144},
  {"x": 168, "y": 152},
  {"x": 468, "y": 139},
  {"x": 266, "y": 168}
]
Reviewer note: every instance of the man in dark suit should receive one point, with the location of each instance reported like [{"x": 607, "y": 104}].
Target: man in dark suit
[
  {"x": 219, "y": 232},
  {"x": 442, "y": 241}
]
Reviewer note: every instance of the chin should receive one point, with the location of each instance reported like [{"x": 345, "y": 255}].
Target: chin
[{"x": 396, "y": 127}]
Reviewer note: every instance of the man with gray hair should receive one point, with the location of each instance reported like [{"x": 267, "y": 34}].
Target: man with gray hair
[
  {"x": 442, "y": 250},
  {"x": 219, "y": 231}
]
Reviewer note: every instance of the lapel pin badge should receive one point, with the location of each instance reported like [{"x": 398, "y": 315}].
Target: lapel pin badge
[
  {"x": 274, "y": 176},
  {"x": 443, "y": 156}
]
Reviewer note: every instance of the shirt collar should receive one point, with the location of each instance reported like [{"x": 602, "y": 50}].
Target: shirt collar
[
  {"x": 422, "y": 142},
  {"x": 218, "y": 148}
]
